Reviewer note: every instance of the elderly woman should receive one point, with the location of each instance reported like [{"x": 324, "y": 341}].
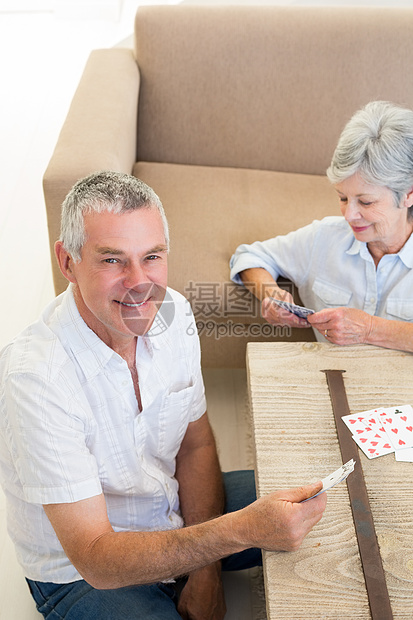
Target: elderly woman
[{"x": 355, "y": 271}]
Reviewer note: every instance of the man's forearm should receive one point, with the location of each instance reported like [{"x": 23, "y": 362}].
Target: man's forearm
[
  {"x": 279, "y": 521},
  {"x": 119, "y": 559},
  {"x": 108, "y": 559}
]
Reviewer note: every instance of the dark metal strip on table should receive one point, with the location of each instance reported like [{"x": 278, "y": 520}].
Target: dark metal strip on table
[{"x": 363, "y": 520}]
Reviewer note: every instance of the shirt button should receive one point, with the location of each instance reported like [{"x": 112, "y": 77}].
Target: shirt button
[{"x": 372, "y": 300}]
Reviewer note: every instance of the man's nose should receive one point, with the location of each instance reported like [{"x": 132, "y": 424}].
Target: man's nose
[{"x": 134, "y": 275}]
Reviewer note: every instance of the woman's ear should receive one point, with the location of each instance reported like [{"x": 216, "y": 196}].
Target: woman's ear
[
  {"x": 65, "y": 262},
  {"x": 409, "y": 199}
]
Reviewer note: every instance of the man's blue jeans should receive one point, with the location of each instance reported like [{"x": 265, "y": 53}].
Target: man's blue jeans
[{"x": 79, "y": 601}]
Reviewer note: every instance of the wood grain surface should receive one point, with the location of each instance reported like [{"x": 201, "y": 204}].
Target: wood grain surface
[{"x": 296, "y": 443}]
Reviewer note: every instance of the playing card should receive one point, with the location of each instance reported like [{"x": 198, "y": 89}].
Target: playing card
[
  {"x": 297, "y": 310},
  {"x": 398, "y": 424},
  {"x": 362, "y": 425},
  {"x": 383, "y": 430},
  {"x": 369, "y": 433},
  {"x": 373, "y": 445},
  {"x": 405, "y": 455},
  {"x": 335, "y": 478},
  {"x": 364, "y": 418}
]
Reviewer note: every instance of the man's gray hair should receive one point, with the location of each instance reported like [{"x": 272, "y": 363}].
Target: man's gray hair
[
  {"x": 377, "y": 143},
  {"x": 103, "y": 191}
]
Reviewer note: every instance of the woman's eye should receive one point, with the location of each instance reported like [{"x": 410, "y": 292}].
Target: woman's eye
[{"x": 365, "y": 204}]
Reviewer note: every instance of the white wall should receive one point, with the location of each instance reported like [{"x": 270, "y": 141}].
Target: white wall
[
  {"x": 85, "y": 9},
  {"x": 11, "y": 6},
  {"x": 88, "y": 9}
]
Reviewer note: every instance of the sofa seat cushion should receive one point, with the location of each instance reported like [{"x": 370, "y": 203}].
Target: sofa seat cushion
[{"x": 210, "y": 212}]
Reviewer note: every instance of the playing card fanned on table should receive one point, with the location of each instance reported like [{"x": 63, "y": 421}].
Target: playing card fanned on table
[{"x": 383, "y": 430}]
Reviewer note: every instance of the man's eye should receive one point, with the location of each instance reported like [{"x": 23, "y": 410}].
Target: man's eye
[
  {"x": 111, "y": 261},
  {"x": 342, "y": 199},
  {"x": 152, "y": 257}
]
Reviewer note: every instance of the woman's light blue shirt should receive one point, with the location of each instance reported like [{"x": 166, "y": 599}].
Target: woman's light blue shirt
[{"x": 331, "y": 268}]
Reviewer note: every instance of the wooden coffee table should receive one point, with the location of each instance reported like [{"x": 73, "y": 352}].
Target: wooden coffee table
[{"x": 296, "y": 442}]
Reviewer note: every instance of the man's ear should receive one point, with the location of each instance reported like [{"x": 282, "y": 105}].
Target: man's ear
[{"x": 65, "y": 262}]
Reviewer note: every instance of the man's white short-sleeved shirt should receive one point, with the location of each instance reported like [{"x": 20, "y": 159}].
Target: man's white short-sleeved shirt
[
  {"x": 70, "y": 426},
  {"x": 331, "y": 268}
]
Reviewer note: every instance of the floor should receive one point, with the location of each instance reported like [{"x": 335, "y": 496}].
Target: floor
[{"x": 40, "y": 69}]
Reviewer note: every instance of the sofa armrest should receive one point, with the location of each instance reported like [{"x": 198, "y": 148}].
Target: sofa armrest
[{"x": 99, "y": 133}]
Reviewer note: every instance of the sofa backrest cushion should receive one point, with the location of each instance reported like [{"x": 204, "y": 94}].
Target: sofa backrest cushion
[{"x": 264, "y": 87}]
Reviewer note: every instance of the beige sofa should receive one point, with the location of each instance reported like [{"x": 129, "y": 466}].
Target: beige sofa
[{"x": 231, "y": 114}]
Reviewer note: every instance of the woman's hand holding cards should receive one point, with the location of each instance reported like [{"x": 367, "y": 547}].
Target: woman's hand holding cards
[{"x": 284, "y": 311}]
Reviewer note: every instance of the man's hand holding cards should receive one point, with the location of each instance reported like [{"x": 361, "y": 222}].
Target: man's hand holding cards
[{"x": 335, "y": 478}]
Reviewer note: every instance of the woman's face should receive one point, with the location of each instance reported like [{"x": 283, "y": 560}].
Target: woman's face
[{"x": 373, "y": 214}]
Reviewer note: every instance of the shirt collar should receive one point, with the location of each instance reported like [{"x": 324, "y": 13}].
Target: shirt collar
[
  {"x": 89, "y": 351},
  {"x": 360, "y": 247},
  {"x": 355, "y": 247},
  {"x": 405, "y": 254}
]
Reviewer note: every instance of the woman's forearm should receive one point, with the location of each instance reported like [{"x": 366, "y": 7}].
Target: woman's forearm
[
  {"x": 391, "y": 334},
  {"x": 261, "y": 283}
]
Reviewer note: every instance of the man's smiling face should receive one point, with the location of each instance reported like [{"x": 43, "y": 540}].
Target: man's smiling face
[{"x": 121, "y": 280}]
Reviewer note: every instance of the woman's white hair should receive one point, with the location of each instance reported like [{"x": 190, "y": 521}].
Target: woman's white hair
[
  {"x": 103, "y": 191},
  {"x": 377, "y": 143}
]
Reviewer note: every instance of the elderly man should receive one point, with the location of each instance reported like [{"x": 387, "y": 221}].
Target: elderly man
[{"x": 108, "y": 460}]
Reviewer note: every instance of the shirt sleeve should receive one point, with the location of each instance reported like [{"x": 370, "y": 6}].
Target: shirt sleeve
[
  {"x": 46, "y": 437},
  {"x": 286, "y": 255}
]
